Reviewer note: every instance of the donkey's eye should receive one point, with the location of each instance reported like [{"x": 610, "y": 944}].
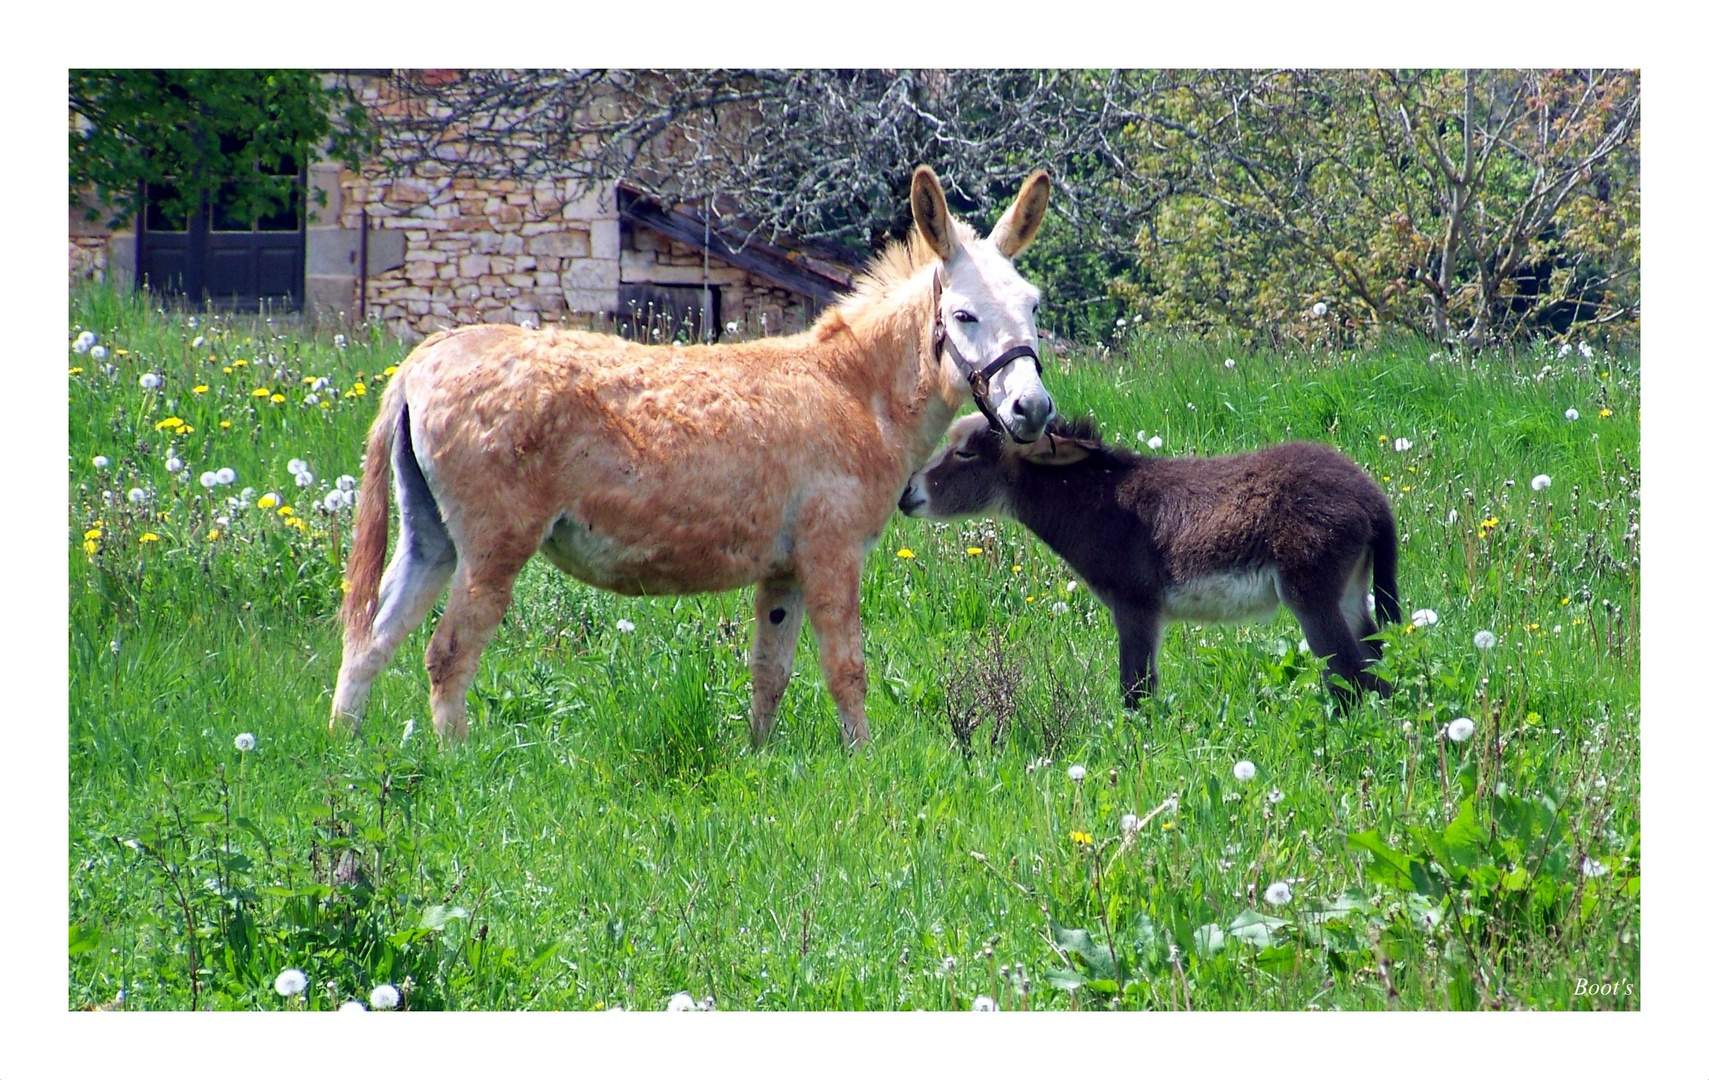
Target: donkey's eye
[
  {"x": 965, "y": 455},
  {"x": 965, "y": 316}
]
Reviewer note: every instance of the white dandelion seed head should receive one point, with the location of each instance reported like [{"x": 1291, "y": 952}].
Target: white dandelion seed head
[
  {"x": 226, "y": 476},
  {"x": 1592, "y": 868},
  {"x": 1077, "y": 773},
  {"x": 346, "y": 483},
  {"x": 1229, "y": 363},
  {"x": 100, "y": 461},
  {"x": 191, "y": 322},
  {"x": 1460, "y": 730},
  {"x": 1424, "y": 617},
  {"x": 1484, "y": 639},
  {"x": 1059, "y": 608},
  {"x": 244, "y": 742},
  {"x": 1130, "y": 824},
  {"x": 339, "y": 341},
  {"x": 1572, "y": 414},
  {"x": 1320, "y": 309},
  {"x": 1585, "y": 350},
  {"x": 137, "y": 496},
  {"x": 98, "y": 352},
  {"x": 246, "y": 494},
  {"x": 320, "y": 384},
  {"x": 199, "y": 342},
  {"x": 949, "y": 963},
  {"x": 681, "y": 1001},
  {"x": 624, "y": 626},
  {"x": 1541, "y": 482},
  {"x": 1244, "y": 771},
  {"x": 274, "y": 495},
  {"x": 148, "y": 380},
  {"x": 1121, "y": 322},
  {"x": 174, "y": 464},
  {"x": 1275, "y": 796},
  {"x": 305, "y": 478},
  {"x": 311, "y": 399},
  {"x": 1402, "y": 445},
  {"x": 295, "y": 466},
  {"x": 83, "y": 343},
  {"x": 290, "y": 983},
  {"x": 731, "y": 327},
  {"x": 210, "y": 480},
  {"x": 1155, "y": 442},
  {"x": 983, "y": 1003},
  {"x": 353, "y": 1006},
  {"x": 1279, "y": 892}
]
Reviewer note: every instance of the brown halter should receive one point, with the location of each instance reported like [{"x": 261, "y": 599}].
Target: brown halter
[{"x": 978, "y": 379}]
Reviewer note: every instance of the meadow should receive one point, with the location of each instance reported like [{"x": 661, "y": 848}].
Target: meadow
[{"x": 1012, "y": 839}]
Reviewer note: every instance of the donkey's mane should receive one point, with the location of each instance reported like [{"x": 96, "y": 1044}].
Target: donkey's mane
[
  {"x": 1084, "y": 430},
  {"x": 896, "y": 265}
]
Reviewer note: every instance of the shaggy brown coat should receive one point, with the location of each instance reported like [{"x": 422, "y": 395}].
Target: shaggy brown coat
[{"x": 1162, "y": 539}]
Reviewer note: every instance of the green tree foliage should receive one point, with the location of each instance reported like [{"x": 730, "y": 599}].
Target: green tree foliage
[
  {"x": 240, "y": 135},
  {"x": 1476, "y": 206}
]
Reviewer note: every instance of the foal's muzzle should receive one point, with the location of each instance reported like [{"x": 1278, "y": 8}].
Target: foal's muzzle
[{"x": 911, "y": 502}]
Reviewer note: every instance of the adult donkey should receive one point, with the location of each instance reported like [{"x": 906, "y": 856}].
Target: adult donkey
[{"x": 680, "y": 469}]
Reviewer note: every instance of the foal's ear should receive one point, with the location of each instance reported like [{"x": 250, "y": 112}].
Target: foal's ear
[
  {"x": 1020, "y": 222},
  {"x": 1052, "y": 450},
  {"x": 931, "y": 213}
]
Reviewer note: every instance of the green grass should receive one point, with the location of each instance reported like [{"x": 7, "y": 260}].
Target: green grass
[{"x": 606, "y": 838}]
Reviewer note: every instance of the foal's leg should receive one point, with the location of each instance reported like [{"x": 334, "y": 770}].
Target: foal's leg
[
  {"x": 415, "y": 577},
  {"x": 1327, "y": 632},
  {"x": 778, "y": 607},
  {"x": 1356, "y": 612},
  {"x": 1137, "y": 631},
  {"x": 831, "y": 583},
  {"x": 480, "y": 593}
]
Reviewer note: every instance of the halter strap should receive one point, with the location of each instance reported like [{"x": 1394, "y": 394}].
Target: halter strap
[{"x": 978, "y": 379}]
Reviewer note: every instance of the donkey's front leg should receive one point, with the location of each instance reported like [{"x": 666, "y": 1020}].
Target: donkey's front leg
[
  {"x": 778, "y": 607},
  {"x": 1137, "y": 631},
  {"x": 832, "y": 586}
]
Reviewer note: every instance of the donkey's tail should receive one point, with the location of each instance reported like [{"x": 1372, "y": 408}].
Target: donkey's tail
[
  {"x": 373, "y": 509},
  {"x": 1385, "y": 557}
]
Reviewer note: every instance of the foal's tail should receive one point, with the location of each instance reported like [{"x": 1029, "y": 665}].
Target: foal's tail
[
  {"x": 1385, "y": 556},
  {"x": 373, "y": 509}
]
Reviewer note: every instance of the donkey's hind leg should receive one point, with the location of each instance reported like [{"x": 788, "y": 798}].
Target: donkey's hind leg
[
  {"x": 480, "y": 594},
  {"x": 420, "y": 567},
  {"x": 1319, "y": 610},
  {"x": 1356, "y": 610},
  {"x": 778, "y": 607}
]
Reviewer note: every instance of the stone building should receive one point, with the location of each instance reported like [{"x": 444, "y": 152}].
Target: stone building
[{"x": 435, "y": 249}]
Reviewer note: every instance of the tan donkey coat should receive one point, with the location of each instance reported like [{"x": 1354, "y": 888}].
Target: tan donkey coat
[{"x": 678, "y": 469}]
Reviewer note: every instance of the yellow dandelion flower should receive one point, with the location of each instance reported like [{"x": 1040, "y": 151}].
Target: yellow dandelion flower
[
  {"x": 1565, "y": 600},
  {"x": 359, "y": 389},
  {"x": 344, "y": 586},
  {"x": 976, "y": 551},
  {"x": 389, "y": 372},
  {"x": 1382, "y": 438},
  {"x": 76, "y": 371},
  {"x": 240, "y": 363},
  {"x": 1014, "y": 569},
  {"x": 226, "y": 370},
  {"x": 286, "y": 511},
  {"x": 260, "y": 391},
  {"x": 1406, "y": 487},
  {"x": 301, "y": 525},
  {"x": 126, "y": 352},
  {"x": 904, "y": 553},
  {"x": 1030, "y": 599},
  {"x": 308, "y": 378},
  {"x": 90, "y": 547},
  {"x": 169, "y": 422},
  {"x": 213, "y": 534},
  {"x": 1081, "y": 838},
  {"x": 326, "y": 404},
  {"x": 200, "y": 389},
  {"x": 1167, "y": 825},
  {"x": 186, "y": 430},
  {"x": 147, "y": 538},
  {"x": 277, "y": 398},
  {"x": 1531, "y": 626},
  {"x": 93, "y": 534},
  {"x": 225, "y": 423},
  {"x": 1606, "y": 413},
  {"x": 267, "y": 502},
  {"x": 1386, "y": 479}
]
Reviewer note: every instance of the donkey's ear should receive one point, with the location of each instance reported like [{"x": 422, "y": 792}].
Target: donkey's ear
[
  {"x": 1020, "y": 222},
  {"x": 931, "y": 213},
  {"x": 1053, "y": 450}
]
